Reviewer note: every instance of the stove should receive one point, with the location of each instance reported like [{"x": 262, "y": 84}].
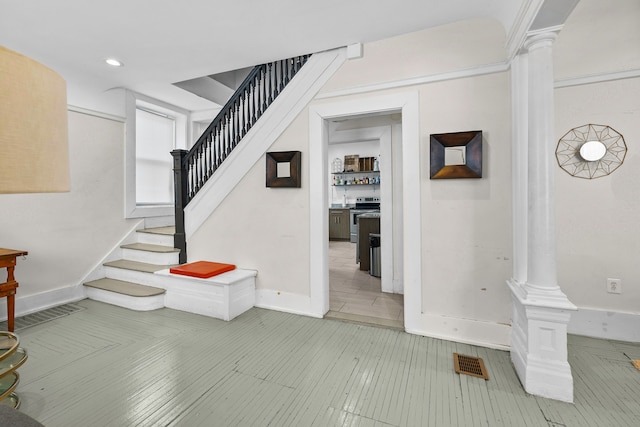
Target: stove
[{"x": 368, "y": 203}]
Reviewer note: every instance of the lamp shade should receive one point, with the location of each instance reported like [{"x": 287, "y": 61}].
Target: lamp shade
[{"x": 34, "y": 153}]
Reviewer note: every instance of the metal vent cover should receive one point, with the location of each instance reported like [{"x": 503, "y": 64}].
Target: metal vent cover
[
  {"x": 470, "y": 365},
  {"x": 39, "y": 317}
]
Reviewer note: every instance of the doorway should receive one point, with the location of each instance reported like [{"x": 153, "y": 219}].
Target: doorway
[
  {"x": 356, "y": 292},
  {"x": 408, "y": 260}
]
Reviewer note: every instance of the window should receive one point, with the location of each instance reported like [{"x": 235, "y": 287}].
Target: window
[
  {"x": 153, "y": 129},
  {"x": 155, "y": 139}
]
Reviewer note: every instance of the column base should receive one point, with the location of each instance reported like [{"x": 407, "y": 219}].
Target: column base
[{"x": 539, "y": 341}]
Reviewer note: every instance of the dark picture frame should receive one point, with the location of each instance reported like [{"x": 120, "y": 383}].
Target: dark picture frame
[
  {"x": 472, "y": 166},
  {"x": 291, "y": 157}
]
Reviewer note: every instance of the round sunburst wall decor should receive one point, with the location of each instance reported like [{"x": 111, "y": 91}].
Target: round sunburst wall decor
[{"x": 591, "y": 151}]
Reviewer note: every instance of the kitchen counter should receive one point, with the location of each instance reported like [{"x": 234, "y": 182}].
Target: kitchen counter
[{"x": 367, "y": 223}]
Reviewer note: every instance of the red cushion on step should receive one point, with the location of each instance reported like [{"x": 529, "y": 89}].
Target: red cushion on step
[{"x": 202, "y": 269}]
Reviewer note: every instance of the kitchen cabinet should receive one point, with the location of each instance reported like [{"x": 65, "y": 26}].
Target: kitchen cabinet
[{"x": 339, "y": 224}]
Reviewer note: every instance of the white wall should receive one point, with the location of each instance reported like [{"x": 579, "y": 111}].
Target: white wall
[
  {"x": 66, "y": 234},
  {"x": 598, "y": 235},
  {"x": 466, "y": 224},
  {"x": 598, "y": 37},
  {"x": 458, "y": 46},
  {"x": 262, "y": 228}
]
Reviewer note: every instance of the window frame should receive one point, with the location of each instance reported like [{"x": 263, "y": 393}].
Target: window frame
[{"x": 182, "y": 136}]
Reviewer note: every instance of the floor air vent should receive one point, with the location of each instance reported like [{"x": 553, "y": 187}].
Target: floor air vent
[
  {"x": 42, "y": 316},
  {"x": 470, "y": 365}
]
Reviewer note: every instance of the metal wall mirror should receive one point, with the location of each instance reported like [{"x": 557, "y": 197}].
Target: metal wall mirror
[
  {"x": 591, "y": 151},
  {"x": 456, "y": 155},
  {"x": 283, "y": 169}
]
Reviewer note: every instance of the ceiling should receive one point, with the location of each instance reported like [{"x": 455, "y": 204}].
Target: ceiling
[{"x": 162, "y": 42}]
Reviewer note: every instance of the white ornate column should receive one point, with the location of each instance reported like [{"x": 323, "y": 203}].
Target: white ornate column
[{"x": 541, "y": 311}]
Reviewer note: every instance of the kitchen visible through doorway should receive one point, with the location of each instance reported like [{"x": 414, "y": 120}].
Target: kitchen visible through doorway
[{"x": 355, "y": 295}]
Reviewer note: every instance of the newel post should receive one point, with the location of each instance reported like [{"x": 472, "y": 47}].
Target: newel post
[{"x": 180, "y": 194}]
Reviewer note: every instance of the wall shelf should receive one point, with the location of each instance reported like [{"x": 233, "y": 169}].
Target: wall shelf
[
  {"x": 354, "y": 185},
  {"x": 354, "y": 173},
  {"x": 355, "y": 178}
]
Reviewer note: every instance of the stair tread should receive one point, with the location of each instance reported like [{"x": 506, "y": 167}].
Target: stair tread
[
  {"x": 151, "y": 248},
  {"x": 136, "y": 265},
  {"x": 125, "y": 288},
  {"x": 167, "y": 231}
]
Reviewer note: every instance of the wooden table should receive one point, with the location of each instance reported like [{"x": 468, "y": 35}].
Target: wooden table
[{"x": 8, "y": 289}]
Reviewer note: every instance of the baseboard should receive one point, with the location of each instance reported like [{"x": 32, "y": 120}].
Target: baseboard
[
  {"x": 466, "y": 331},
  {"x": 38, "y": 302},
  {"x": 603, "y": 324},
  {"x": 285, "y": 302}
]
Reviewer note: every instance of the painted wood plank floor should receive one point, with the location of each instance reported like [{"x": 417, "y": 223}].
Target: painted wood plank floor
[{"x": 108, "y": 366}]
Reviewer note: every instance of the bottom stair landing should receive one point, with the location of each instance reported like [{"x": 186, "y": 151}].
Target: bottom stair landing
[
  {"x": 133, "y": 296},
  {"x": 141, "y": 281},
  {"x": 224, "y": 297}
]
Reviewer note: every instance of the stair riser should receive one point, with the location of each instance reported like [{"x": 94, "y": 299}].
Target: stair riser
[
  {"x": 159, "y": 221},
  {"x": 160, "y": 258},
  {"x": 133, "y": 303},
  {"x": 134, "y": 276},
  {"x": 155, "y": 239},
  {"x": 149, "y": 279}
]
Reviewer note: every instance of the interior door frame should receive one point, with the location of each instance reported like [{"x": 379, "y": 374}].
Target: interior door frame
[{"x": 407, "y": 103}]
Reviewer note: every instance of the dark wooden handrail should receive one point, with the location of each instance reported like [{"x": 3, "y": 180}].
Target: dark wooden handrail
[{"x": 193, "y": 168}]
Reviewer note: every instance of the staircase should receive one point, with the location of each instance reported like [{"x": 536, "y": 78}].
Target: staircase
[
  {"x": 137, "y": 274},
  {"x": 141, "y": 281},
  {"x": 127, "y": 280}
]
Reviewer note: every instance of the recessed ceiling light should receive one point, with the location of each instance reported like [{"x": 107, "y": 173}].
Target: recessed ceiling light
[{"x": 113, "y": 62}]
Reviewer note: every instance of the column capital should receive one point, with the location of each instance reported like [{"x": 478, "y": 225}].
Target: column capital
[{"x": 541, "y": 38}]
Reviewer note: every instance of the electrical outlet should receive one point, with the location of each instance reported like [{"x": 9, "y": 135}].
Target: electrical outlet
[{"x": 614, "y": 286}]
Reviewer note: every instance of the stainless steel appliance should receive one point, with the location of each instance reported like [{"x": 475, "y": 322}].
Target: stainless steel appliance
[{"x": 363, "y": 205}]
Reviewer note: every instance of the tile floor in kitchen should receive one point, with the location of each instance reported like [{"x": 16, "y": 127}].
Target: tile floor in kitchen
[{"x": 355, "y": 295}]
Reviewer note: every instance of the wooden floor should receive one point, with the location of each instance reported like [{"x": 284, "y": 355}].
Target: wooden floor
[
  {"x": 109, "y": 366},
  {"x": 356, "y": 295}
]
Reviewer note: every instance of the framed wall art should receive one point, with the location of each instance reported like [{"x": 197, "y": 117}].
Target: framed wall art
[
  {"x": 283, "y": 169},
  {"x": 456, "y": 155}
]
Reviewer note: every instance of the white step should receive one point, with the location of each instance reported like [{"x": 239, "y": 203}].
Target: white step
[
  {"x": 142, "y": 281},
  {"x": 133, "y": 271},
  {"x": 129, "y": 295},
  {"x": 151, "y": 254},
  {"x": 224, "y": 296}
]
